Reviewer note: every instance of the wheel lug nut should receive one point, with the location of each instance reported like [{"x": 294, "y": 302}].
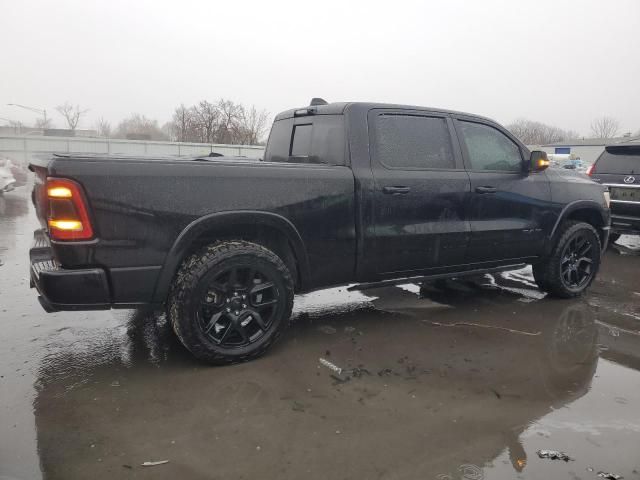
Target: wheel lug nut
[
  {"x": 228, "y": 300},
  {"x": 228, "y": 309},
  {"x": 244, "y": 306},
  {"x": 244, "y": 296},
  {"x": 237, "y": 313}
]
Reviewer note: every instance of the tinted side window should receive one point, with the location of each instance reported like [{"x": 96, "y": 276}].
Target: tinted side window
[
  {"x": 328, "y": 141},
  {"x": 490, "y": 149},
  {"x": 411, "y": 141}
]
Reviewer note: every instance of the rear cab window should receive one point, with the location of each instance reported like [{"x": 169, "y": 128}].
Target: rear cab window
[{"x": 318, "y": 139}]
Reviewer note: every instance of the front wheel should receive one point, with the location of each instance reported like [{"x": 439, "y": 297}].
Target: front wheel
[
  {"x": 230, "y": 301},
  {"x": 573, "y": 263}
]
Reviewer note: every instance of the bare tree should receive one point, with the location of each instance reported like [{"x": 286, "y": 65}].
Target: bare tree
[
  {"x": 139, "y": 127},
  {"x": 44, "y": 123},
  {"x": 206, "y": 116},
  {"x": 537, "y": 133},
  {"x": 16, "y": 125},
  {"x": 71, "y": 114},
  {"x": 605, "y": 127},
  {"x": 182, "y": 124},
  {"x": 221, "y": 122},
  {"x": 230, "y": 114},
  {"x": 253, "y": 125},
  {"x": 103, "y": 127}
]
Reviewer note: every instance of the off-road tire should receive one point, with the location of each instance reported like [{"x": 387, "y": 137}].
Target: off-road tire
[
  {"x": 182, "y": 302},
  {"x": 547, "y": 273}
]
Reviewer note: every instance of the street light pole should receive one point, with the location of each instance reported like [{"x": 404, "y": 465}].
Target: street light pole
[{"x": 37, "y": 110}]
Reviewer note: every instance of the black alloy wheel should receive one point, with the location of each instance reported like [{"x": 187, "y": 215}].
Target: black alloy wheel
[
  {"x": 238, "y": 306},
  {"x": 576, "y": 266}
]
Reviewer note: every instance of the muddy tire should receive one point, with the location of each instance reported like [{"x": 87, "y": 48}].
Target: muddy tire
[
  {"x": 230, "y": 301},
  {"x": 573, "y": 262}
]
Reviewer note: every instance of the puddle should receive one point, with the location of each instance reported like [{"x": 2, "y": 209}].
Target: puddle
[{"x": 435, "y": 382}]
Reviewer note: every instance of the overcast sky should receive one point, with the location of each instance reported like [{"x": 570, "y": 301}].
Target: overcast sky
[{"x": 561, "y": 62}]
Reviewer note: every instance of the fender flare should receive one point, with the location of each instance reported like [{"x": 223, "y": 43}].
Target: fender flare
[
  {"x": 225, "y": 219},
  {"x": 581, "y": 205}
]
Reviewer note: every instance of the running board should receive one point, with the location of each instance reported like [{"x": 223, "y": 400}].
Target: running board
[{"x": 437, "y": 276}]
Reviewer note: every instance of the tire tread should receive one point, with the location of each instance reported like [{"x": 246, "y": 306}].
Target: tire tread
[{"x": 188, "y": 276}]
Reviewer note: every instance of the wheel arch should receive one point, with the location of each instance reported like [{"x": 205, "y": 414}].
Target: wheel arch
[
  {"x": 268, "y": 229},
  {"x": 587, "y": 211}
]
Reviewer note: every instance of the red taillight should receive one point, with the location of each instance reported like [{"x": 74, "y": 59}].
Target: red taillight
[
  {"x": 590, "y": 169},
  {"x": 67, "y": 212}
]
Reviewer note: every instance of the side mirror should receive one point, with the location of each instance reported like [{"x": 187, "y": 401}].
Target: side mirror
[{"x": 538, "y": 161}]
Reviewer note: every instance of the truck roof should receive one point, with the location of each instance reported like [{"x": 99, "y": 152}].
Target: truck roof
[{"x": 339, "y": 108}]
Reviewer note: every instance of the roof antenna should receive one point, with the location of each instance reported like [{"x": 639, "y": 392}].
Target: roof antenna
[{"x": 318, "y": 101}]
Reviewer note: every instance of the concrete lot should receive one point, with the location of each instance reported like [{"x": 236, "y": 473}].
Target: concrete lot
[{"x": 466, "y": 379}]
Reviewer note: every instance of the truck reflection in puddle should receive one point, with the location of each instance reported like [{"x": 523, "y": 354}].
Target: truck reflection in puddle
[{"x": 427, "y": 400}]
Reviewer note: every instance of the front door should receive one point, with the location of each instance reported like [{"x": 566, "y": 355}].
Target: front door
[
  {"x": 420, "y": 188},
  {"x": 506, "y": 205}
]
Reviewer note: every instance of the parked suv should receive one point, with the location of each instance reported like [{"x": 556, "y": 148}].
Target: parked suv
[
  {"x": 362, "y": 193},
  {"x": 618, "y": 167}
]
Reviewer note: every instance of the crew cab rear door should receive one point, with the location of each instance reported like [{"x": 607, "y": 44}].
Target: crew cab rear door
[
  {"x": 420, "y": 187},
  {"x": 507, "y": 205}
]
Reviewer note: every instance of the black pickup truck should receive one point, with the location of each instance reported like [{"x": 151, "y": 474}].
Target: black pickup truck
[{"x": 348, "y": 193}]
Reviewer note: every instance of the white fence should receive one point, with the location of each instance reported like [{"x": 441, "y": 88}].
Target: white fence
[{"x": 21, "y": 148}]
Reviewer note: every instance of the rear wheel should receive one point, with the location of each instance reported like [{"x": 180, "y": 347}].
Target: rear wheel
[
  {"x": 231, "y": 301},
  {"x": 573, "y": 263}
]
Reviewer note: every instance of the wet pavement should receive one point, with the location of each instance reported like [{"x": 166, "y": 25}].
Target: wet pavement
[{"x": 459, "y": 379}]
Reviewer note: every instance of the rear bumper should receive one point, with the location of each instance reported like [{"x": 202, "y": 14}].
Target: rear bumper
[{"x": 63, "y": 289}]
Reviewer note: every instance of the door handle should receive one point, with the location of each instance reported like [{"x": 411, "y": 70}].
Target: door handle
[
  {"x": 486, "y": 189},
  {"x": 396, "y": 190}
]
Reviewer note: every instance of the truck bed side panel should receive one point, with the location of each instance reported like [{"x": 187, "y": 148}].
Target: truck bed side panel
[{"x": 141, "y": 206}]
